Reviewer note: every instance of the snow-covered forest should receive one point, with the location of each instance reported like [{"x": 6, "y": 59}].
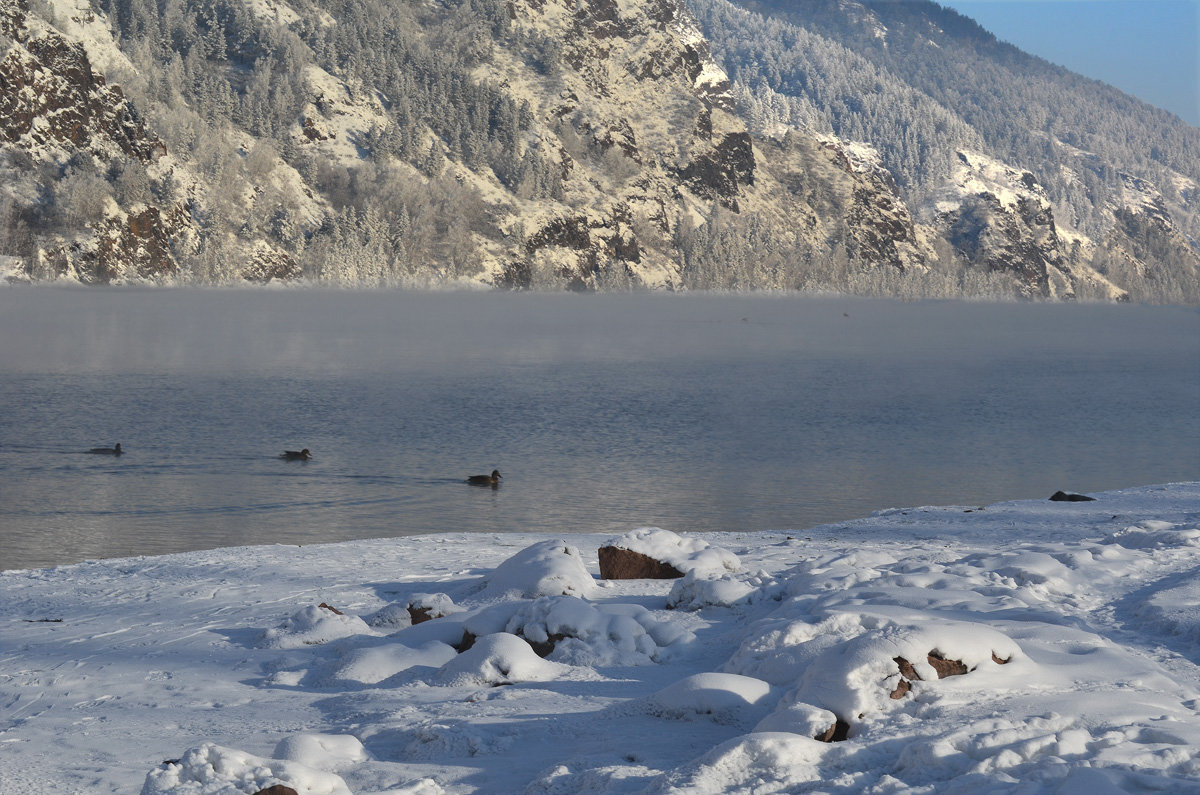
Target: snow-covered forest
[{"x": 599, "y": 147}]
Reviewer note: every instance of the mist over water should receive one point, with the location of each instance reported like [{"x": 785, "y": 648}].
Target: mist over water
[{"x": 604, "y": 413}]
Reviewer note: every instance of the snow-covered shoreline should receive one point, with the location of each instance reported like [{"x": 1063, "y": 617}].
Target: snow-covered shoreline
[{"x": 223, "y": 661}]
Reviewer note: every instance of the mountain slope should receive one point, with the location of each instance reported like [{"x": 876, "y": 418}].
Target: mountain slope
[
  {"x": 932, "y": 90},
  {"x": 534, "y": 143}
]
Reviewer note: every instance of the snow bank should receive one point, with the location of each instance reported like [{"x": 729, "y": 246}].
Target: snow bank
[
  {"x": 1153, "y": 534},
  {"x": 759, "y": 763},
  {"x": 325, "y": 751},
  {"x": 1017, "y": 648}
]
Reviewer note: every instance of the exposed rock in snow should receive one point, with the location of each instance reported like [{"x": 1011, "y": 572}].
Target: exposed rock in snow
[{"x": 682, "y": 553}]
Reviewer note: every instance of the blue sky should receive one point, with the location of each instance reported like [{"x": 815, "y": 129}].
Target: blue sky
[{"x": 1148, "y": 48}]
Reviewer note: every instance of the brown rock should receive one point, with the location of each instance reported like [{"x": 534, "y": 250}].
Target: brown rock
[
  {"x": 419, "y": 615},
  {"x": 839, "y": 731},
  {"x": 906, "y": 669},
  {"x": 277, "y": 789},
  {"x": 998, "y": 661},
  {"x": 625, "y": 564},
  {"x": 946, "y": 667},
  {"x": 331, "y": 609}
]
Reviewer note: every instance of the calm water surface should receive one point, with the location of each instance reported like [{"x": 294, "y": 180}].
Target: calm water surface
[{"x": 604, "y": 413}]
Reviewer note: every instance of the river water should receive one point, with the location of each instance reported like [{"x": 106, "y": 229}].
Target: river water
[{"x": 603, "y": 413}]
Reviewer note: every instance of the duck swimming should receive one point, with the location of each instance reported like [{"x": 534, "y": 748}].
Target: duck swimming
[
  {"x": 114, "y": 450},
  {"x": 486, "y": 480},
  {"x": 296, "y": 455}
]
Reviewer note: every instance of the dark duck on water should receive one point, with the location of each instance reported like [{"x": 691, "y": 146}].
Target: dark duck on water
[
  {"x": 114, "y": 450},
  {"x": 486, "y": 480},
  {"x": 296, "y": 455}
]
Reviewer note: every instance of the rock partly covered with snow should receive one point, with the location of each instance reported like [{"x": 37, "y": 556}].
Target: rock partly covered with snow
[
  {"x": 661, "y": 554},
  {"x": 568, "y": 629},
  {"x": 213, "y": 770}
]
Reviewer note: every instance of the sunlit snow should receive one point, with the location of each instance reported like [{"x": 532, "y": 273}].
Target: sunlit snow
[{"x": 1027, "y": 647}]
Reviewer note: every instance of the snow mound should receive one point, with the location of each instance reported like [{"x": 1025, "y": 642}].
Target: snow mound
[
  {"x": 390, "y": 617},
  {"x": 419, "y": 608},
  {"x": 498, "y": 659},
  {"x": 569, "y": 630},
  {"x": 856, "y": 678},
  {"x": 325, "y": 751},
  {"x": 447, "y": 630},
  {"x": 313, "y": 626},
  {"x": 848, "y": 663},
  {"x": 780, "y": 648},
  {"x": 548, "y": 568},
  {"x": 685, "y": 554},
  {"x": 428, "y": 606},
  {"x": 728, "y": 698},
  {"x": 798, "y": 718},
  {"x": 699, "y": 588},
  {"x": 372, "y": 665},
  {"x": 1153, "y": 534},
  {"x": 213, "y": 770}
]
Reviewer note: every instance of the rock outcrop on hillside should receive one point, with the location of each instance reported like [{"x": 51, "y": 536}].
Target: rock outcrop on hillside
[{"x": 55, "y": 106}]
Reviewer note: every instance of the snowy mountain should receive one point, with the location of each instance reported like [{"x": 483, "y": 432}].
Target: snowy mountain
[
  {"x": 533, "y": 143},
  {"x": 1021, "y": 165}
]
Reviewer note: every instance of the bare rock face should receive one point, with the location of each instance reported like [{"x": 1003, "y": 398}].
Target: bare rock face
[
  {"x": 1000, "y": 218},
  {"x": 879, "y": 227},
  {"x": 718, "y": 173},
  {"x": 55, "y": 106},
  {"x": 628, "y": 175},
  {"x": 625, "y": 564},
  {"x": 51, "y": 97},
  {"x": 268, "y": 264}
]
